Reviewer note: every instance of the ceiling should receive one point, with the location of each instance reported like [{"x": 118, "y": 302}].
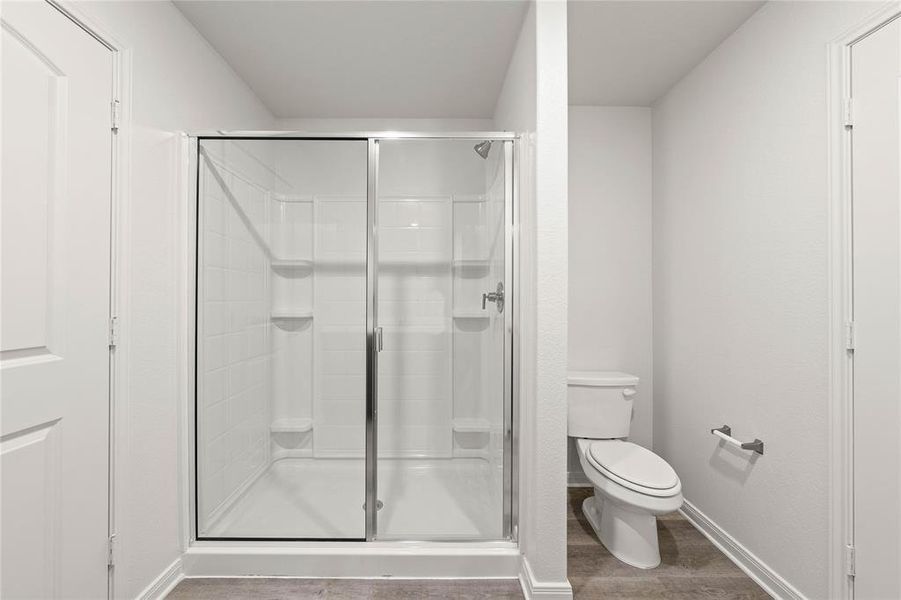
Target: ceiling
[
  {"x": 448, "y": 58},
  {"x": 630, "y": 53},
  {"x": 414, "y": 59}
]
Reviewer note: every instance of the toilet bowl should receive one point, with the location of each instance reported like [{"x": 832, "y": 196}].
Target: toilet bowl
[{"x": 632, "y": 485}]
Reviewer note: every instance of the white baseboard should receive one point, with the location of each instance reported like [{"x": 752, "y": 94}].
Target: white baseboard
[
  {"x": 545, "y": 590},
  {"x": 756, "y": 569},
  {"x": 164, "y": 583}
]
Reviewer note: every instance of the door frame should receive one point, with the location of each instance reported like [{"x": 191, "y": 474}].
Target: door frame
[
  {"x": 840, "y": 290},
  {"x": 189, "y": 168},
  {"x": 120, "y": 143}
]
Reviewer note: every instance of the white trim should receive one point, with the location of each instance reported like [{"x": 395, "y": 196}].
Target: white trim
[
  {"x": 774, "y": 584},
  {"x": 839, "y": 313},
  {"x": 547, "y": 590},
  {"x": 494, "y": 136},
  {"x": 187, "y": 177},
  {"x": 120, "y": 142},
  {"x": 165, "y": 582},
  {"x": 841, "y": 365}
]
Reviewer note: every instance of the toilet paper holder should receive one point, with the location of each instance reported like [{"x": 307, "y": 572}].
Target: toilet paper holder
[{"x": 725, "y": 434}]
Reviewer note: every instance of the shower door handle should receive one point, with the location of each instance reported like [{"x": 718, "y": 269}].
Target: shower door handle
[{"x": 496, "y": 296}]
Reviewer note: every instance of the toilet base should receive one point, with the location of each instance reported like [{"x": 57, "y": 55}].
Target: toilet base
[{"x": 630, "y": 536}]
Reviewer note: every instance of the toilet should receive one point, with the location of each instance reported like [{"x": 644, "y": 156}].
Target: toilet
[{"x": 632, "y": 485}]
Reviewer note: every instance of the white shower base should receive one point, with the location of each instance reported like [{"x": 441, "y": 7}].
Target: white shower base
[{"x": 423, "y": 499}]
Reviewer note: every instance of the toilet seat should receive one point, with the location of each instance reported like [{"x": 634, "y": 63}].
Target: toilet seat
[{"x": 631, "y": 466}]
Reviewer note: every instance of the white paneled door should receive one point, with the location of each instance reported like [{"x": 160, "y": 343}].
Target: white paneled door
[
  {"x": 55, "y": 309},
  {"x": 875, "y": 81}
]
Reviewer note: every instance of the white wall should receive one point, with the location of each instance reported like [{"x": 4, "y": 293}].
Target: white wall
[
  {"x": 610, "y": 252},
  {"x": 740, "y": 283},
  {"x": 177, "y": 83},
  {"x": 533, "y": 103}
]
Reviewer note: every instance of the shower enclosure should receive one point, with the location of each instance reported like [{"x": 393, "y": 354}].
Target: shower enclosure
[{"x": 354, "y": 338}]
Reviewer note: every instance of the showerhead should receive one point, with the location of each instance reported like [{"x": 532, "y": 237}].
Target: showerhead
[{"x": 483, "y": 148}]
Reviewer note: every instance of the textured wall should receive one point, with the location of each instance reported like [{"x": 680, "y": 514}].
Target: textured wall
[
  {"x": 740, "y": 283},
  {"x": 549, "y": 556},
  {"x": 533, "y": 103},
  {"x": 610, "y": 252}
]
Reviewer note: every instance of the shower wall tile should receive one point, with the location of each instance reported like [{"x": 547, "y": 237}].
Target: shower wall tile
[
  {"x": 415, "y": 305},
  {"x": 478, "y": 343},
  {"x": 215, "y": 353},
  {"x": 233, "y": 383},
  {"x": 339, "y": 403},
  {"x": 317, "y": 368},
  {"x": 415, "y": 242}
]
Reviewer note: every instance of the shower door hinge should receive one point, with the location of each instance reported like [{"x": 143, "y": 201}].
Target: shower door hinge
[
  {"x": 378, "y": 339},
  {"x": 115, "y": 115},
  {"x": 110, "y": 555},
  {"x": 849, "y": 336},
  {"x": 850, "y": 567},
  {"x": 113, "y": 331},
  {"x": 848, "y": 113}
]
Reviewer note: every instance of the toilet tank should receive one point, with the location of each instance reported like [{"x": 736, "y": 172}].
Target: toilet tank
[{"x": 600, "y": 404}]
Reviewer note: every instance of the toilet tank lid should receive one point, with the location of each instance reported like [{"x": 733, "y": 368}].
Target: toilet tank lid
[{"x": 601, "y": 378}]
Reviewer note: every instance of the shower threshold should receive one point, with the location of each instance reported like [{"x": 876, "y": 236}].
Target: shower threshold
[{"x": 322, "y": 498}]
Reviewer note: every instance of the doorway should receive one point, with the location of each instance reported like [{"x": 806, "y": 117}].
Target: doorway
[
  {"x": 56, "y": 346},
  {"x": 875, "y": 75}
]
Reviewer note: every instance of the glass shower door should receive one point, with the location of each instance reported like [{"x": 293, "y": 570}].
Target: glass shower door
[
  {"x": 353, "y": 339},
  {"x": 442, "y": 385},
  {"x": 281, "y": 339}
]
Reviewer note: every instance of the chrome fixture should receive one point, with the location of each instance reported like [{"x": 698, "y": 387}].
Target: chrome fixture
[
  {"x": 378, "y": 505},
  {"x": 725, "y": 434},
  {"x": 483, "y": 148},
  {"x": 496, "y": 296}
]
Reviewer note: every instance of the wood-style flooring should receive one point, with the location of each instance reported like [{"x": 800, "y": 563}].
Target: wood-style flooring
[{"x": 691, "y": 569}]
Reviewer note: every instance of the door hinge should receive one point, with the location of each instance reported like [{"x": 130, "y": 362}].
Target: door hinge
[
  {"x": 849, "y": 336},
  {"x": 848, "y": 113},
  {"x": 378, "y": 339},
  {"x": 850, "y": 559},
  {"x": 115, "y": 115},
  {"x": 111, "y": 555},
  {"x": 113, "y": 332}
]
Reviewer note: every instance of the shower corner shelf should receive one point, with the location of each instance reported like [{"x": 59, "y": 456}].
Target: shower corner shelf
[
  {"x": 294, "y": 315},
  {"x": 301, "y": 425},
  {"x": 471, "y": 314},
  {"x": 471, "y": 263},
  {"x": 471, "y": 425},
  {"x": 291, "y": 263}
]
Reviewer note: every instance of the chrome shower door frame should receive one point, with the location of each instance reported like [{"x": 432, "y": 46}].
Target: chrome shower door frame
[{"x": 509, "y": 142}]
